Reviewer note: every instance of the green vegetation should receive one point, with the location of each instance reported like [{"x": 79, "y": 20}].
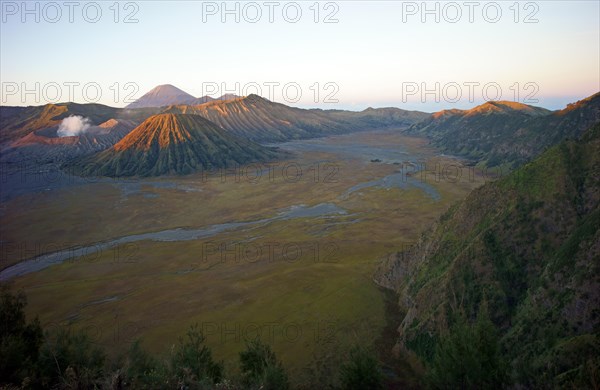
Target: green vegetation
[
  {"x": 468, "y": 356},
  {"x": 529, "y": 248},
  {"x": 191, "y": 362},
  {"x": 20, "y": 341},
  {"x": 71, "y": 360},
  {"x": 260, "y": 368},
  {"x": 362, "y": 371}
]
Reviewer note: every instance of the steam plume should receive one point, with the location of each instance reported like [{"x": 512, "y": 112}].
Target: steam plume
[{"x": 73, "y": 125}]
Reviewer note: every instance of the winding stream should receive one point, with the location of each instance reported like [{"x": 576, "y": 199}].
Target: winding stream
[{"x": 43, "y": 261}]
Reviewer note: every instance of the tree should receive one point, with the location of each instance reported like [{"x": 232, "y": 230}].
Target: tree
[
  {"x": 192, "y": 363},
  {"x": 20, "y": 341},
  {"x": 140, "y": 370},
  {"x": 469, "y": 356},
  {"x": 362, "y": 371},
  {"x": 260, "y": 368}
]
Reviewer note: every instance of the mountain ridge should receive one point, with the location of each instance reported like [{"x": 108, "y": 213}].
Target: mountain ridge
[
  {"x": 262, "y": 120},
  {"x": 272, "y": 122},
  {"x": 496, "y": 134}
]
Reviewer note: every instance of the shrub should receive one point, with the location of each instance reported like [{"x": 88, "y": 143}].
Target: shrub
[{"x": 362, "y": 371}]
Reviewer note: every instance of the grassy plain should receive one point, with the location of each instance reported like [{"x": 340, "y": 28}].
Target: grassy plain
[{"x": 304, "y": 285}]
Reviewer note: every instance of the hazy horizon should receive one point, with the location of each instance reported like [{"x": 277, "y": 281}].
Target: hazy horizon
[
  {"x": 340, "y": 55},
  {"x": 555, "y": 104}
]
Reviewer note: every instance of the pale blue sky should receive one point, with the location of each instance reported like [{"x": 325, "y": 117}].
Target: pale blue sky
[{"x": 369, "y": 54}]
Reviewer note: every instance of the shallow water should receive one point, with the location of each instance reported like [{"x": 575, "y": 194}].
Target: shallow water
[
  {"x": 396, "y": 180},
  {"x": 40, "y": 262}
]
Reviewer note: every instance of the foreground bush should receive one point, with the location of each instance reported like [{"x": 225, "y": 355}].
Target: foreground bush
[
  {"x": 20, "y": 341},
  {"x": 362, "y": 371},
  {"x": 260, "y": 368}
]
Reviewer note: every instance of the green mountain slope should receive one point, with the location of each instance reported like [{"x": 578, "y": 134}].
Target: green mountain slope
[
  {"x": 529, "y": 245},
  {"x": 172, "y": 144},
  {"x": 497, "y": 133}
]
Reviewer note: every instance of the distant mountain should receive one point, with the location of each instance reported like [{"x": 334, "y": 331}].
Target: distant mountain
[
  {"x": 506, "y": 133},
  {"x": 529, "y": 245},
  {"x": 261, "y": 120},
  {"x": 197, "y": 101},
  {"x": 206, "y": 99},
  {"x": 228, "y": 96},
  {"x": 172, "y": 144},
  {"x": 162, "y": 95},
  {"x": 374, "y": 118},
  {"x": 168, "y": 95}
]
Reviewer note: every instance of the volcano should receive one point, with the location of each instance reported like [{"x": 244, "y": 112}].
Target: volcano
[
  {"x": 163, "y": 95},
  {"x": 173, "y": 144}
]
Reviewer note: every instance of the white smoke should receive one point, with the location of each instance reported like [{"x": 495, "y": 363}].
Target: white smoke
[{"x": 73, "y": 125}]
